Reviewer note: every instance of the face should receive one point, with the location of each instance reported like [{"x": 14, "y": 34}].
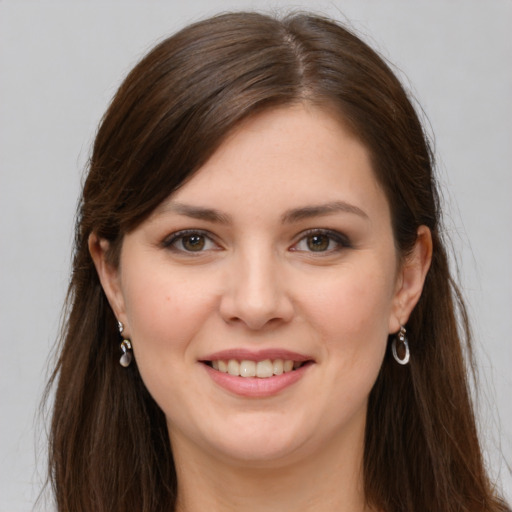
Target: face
[{"x": 260, "y": 296}]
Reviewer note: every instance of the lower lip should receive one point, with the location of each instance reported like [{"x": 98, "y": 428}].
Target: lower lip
[{"x": 255, "y": 387}]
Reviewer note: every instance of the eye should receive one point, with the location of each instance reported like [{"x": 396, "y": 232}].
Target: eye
[
  {"x": 191, "y": 241},
  {"x": 321, "y": 241}
]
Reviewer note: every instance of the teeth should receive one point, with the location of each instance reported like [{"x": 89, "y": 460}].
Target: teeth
[
  {"x": 278, "y": 367},
  {"x": 264, "y": 369},
  {"x": 233, "y": 367},
  {"x": 247, "y": 369},
  {"x": 261, "y": 369},
  {"x": 288, "y": 366}
]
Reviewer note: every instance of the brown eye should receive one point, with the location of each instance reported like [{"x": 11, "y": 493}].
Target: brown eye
[
  {"x": 190, "y": 241},
  {"x": 321, "y": 241},
  {"x": 193, "y": 243},
  {"x": 318, "y": 242}
]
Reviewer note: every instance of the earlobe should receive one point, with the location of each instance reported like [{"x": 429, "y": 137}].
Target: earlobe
[
  {"x": 108, "y": 275},
  {"x": 411, "y": 279}
]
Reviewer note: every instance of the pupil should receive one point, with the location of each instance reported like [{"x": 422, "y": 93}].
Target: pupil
[
  {"x": 194, "y": 242},
  {"x": 318, "y": 242}
]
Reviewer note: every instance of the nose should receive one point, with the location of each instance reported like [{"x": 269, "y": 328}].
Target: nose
[{"x": 255, "y": 293}]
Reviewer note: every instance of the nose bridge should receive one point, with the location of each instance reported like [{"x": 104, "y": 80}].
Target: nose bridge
[{"x": 255, "y": 294}]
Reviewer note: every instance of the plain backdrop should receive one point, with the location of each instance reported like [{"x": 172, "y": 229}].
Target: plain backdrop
[{"x": 60, "y": 63}]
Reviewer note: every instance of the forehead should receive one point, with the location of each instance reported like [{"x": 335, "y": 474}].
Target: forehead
[{"x": 284, "y": 158}]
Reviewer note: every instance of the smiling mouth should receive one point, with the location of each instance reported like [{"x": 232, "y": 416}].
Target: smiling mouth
[{"x": 260, "y": 369}]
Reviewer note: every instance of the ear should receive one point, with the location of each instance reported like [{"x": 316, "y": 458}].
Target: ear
[
  {"x": 108, "y": 275},
  {"x": 410, "y": 279}
]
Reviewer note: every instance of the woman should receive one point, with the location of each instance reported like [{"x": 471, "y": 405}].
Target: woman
[{"x": 260, "y": 224}]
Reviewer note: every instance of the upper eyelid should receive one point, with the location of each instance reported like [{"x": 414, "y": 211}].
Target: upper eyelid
[
  {"x": 336, "y": 235},
  {"x": 176, "y": 235}
]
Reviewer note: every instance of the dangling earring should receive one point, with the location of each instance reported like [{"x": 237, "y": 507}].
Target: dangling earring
[
  {"x": 402, "y": 340},
  {"x": 126, "y": 348}
]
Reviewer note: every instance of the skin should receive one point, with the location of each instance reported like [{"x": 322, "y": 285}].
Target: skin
[{"x": 261, "y": 280}]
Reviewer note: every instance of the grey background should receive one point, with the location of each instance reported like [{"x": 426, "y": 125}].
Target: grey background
[{"x": 60, "y": 63}]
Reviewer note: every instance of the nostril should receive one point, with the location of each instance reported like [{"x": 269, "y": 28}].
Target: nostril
[{"x": 256, "y": 300}]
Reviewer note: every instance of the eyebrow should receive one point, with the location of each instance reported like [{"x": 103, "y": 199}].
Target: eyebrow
[
  {"x": 197, "y": 212},
  {"x": 289, "y": 217},
  {"x": 306, "y": 212}
]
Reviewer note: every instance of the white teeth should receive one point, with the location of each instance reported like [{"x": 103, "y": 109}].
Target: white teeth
[
  {"x": 288, "y": 366},
  {"x": 262, "y": 369},
  {"x": 233, "y": 367},
  {"x": 278, "y": 367},
  {"x": 247, "y": 369}
]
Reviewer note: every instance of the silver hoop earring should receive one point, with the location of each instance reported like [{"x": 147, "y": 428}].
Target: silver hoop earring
[
  {"x": 120, "y": 326},
  {"x": 402, "y": 340},
  {"x": 127, "y": 357}
]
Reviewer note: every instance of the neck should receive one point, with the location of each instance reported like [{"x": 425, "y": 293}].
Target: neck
[{"x": 328, "y": 480}]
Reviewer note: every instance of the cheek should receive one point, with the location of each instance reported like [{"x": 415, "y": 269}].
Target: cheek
[
  {"x": 165, "y": 310},
  {"x": 350, "y": 312},
  {"x": 166, "y": 313},
  {"x": 355, "y": 301}
]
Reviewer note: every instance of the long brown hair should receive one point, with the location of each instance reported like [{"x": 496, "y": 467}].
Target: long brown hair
[{"x": 109, "y": 447}]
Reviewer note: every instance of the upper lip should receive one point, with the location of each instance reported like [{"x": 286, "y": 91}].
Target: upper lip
[{"x": 241, "y": 354}]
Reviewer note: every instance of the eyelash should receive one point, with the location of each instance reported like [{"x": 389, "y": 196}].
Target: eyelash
[
  {"x": 170, "y": 242},
  {"x": 341, "y": 241}
]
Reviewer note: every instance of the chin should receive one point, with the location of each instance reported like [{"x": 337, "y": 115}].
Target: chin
[
  {"x": 259, "y": 441},
  {"x": 258, "y": 452}
]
